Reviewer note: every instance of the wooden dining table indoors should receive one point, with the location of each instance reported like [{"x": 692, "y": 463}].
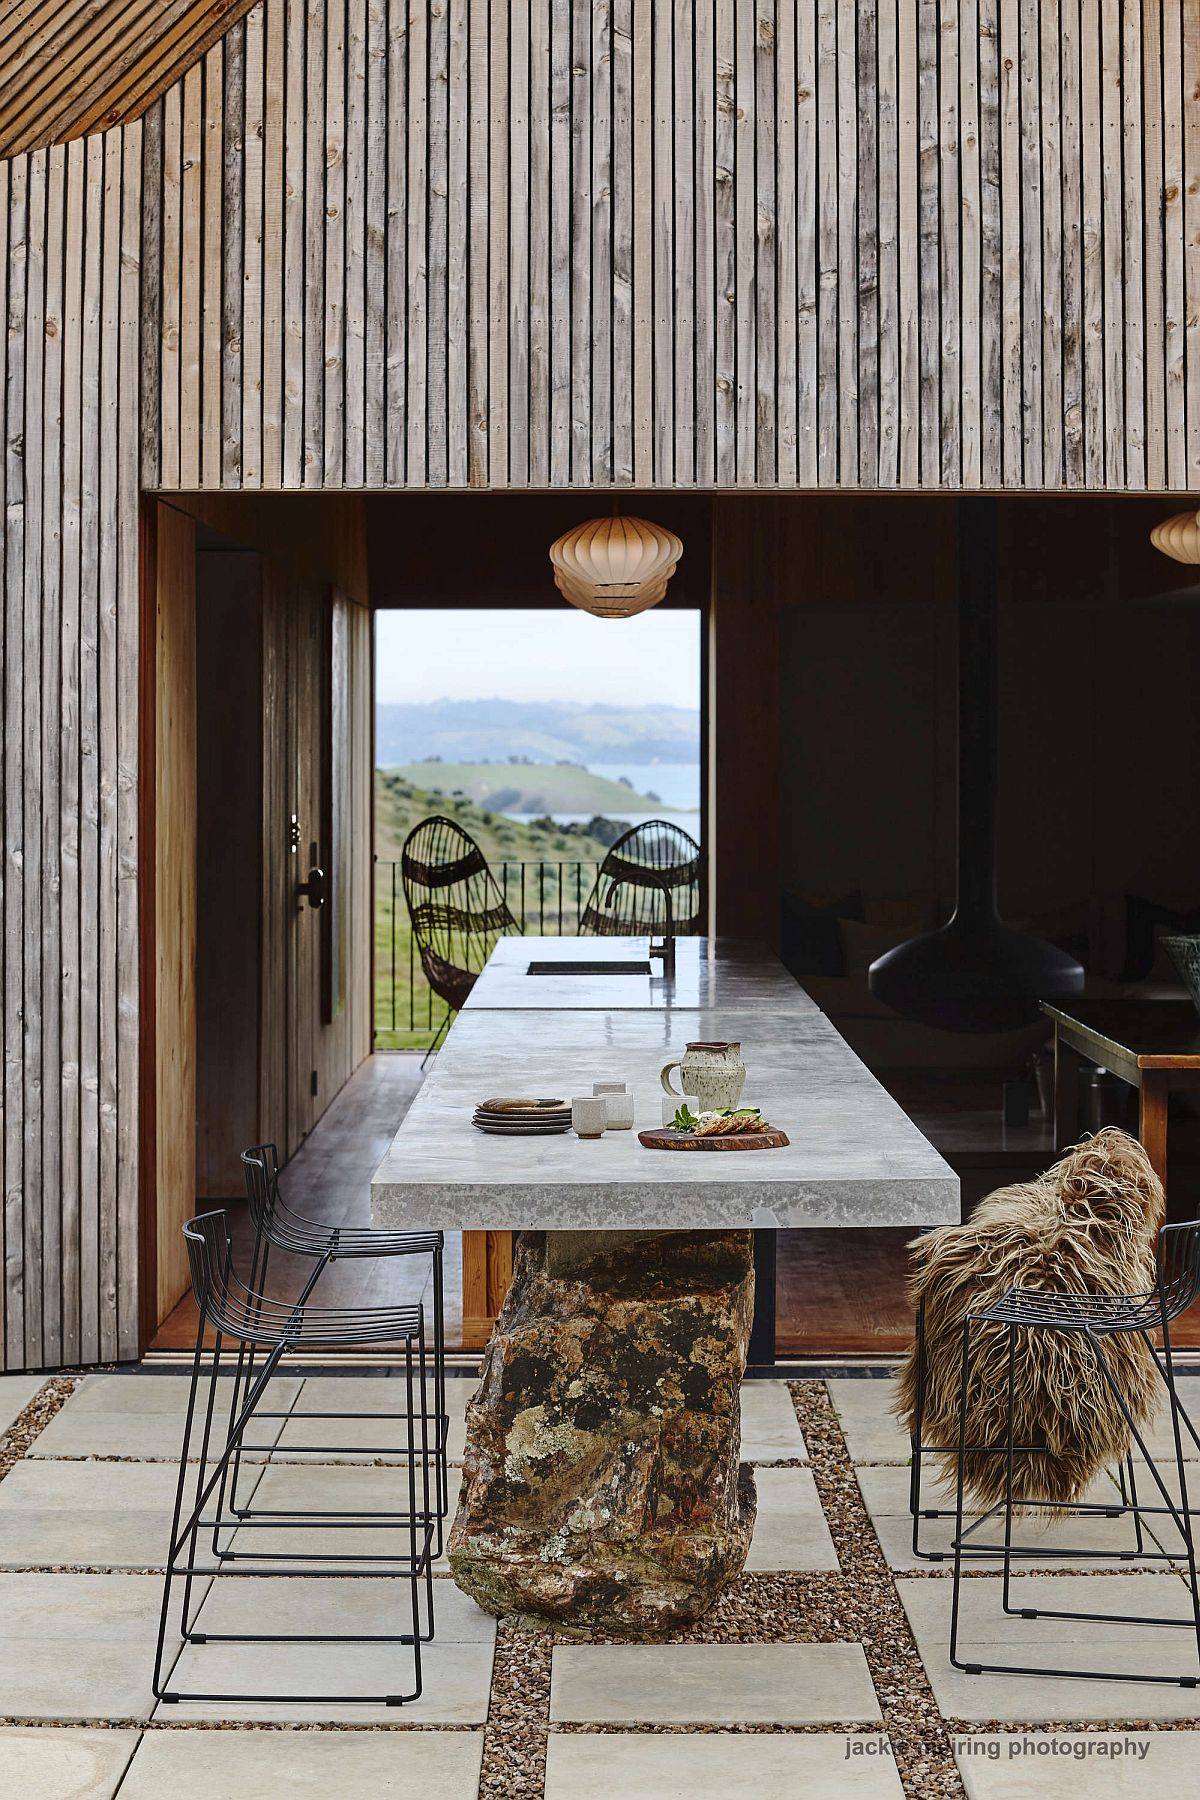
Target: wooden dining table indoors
[{"x": 1154, "y": 1045}]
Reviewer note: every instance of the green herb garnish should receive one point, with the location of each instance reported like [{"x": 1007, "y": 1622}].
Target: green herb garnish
[{"x": 684, "y": 1120}]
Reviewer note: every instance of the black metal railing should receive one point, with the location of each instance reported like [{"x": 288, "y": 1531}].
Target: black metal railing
[{"x": 546, "y": 899}]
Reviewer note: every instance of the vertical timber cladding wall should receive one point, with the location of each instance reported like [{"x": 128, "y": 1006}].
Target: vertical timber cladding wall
[
  {"x": 784, "y": 243},
  {"x": 71, "y": 219}
]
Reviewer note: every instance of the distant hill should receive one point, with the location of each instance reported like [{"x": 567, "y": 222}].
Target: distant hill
[
  {"x": 399, "y": 805},
  {"x": 479, "y": 731}
]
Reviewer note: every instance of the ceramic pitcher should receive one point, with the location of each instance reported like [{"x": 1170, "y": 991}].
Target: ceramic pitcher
[{"x": 711, "y": 1074}]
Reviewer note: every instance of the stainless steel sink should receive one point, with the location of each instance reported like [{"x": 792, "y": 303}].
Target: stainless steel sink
[{"x": 594, "y": 967}]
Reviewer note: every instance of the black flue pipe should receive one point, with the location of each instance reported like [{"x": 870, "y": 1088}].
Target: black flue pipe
[
  {"x": 977, "y": 708},
  {"x": 975, "y": 973}
]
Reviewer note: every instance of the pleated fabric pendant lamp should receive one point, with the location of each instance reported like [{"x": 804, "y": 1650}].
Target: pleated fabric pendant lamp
[
  {"x": 615, "y": 567},
  {"x": 1179, "y": 536}
]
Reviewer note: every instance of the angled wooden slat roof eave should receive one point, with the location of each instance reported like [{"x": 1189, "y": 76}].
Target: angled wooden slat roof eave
[{"x": 79, "y": 66}]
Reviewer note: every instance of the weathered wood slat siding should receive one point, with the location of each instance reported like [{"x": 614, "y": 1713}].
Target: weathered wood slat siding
[
  {"x": 71, "y": 225},
  {"x": 515, "y": 243},
  {"x": 790, "y": 243}
]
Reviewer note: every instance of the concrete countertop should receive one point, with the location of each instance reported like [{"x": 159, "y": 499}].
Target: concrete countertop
[
  {"x": 855, "y": 1158},
  {"x": 708, "y": 972}
]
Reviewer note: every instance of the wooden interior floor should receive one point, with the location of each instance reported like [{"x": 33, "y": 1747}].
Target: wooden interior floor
[{"x": 839, "y": 1293}]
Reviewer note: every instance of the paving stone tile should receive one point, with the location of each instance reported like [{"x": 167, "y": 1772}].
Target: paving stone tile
[
  {"x": 456, "y": 1682},
  {"x": 311, "y": 1547},
  {"x": 987, "y": 1633},
  {"x": 790, "y": 1531},
  {"x": 330, "y": 1488},
  {"x": 1054, "y": 1765},
  {"x": 1160, "y": 1438},
  {"x": 871, "y": 1432},
  {"x": 108, "y": 1513},
  {"x": 711, "y": 1684},
  {"x": 377, "y": 1393},
  {"x": 77, "y": 1646},
  {"x": 358, "y": 1440},
  {"x": 41, "y": 1678},
  {"x": 366, "y": 1396},
  {"x": 143, "y": 1416},
  {"x": 83, "y": 1539},
  {"x": 52, "y": 1486},
  {"x": 244, "y": 1604},
  {"x": 138, "y": 1394},
  {"x": 344, "y": 1487},
  {"x": 873, "y": 1435},
  {"x": 1150, "y": 1494},
  {"x": 718, "y": 1766},
  {"x": 770, "y": 1430},
  {"x": 41, "y": 1764},
  {"x": 353, "y": 1765},
  {"x": 154, "y": 1436},
  {"x": 70, "y": 1608},
  {"x": 885, "y": 1494},
  {"x": 16, "y": 1391}
]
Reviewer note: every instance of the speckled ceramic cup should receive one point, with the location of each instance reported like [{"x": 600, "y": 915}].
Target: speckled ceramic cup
[
  {"x": 620, "y": 1111},
  {"x": 589, "y": 1115}
]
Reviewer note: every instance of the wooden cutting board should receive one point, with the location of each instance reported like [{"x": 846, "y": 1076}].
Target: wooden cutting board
[{"x": 667, "y": 1138}]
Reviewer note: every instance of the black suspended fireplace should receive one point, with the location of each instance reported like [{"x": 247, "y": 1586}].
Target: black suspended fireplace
[{"x": 975, "y": 973}]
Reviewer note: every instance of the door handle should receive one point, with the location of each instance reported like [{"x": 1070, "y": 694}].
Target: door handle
[{"x": 312, "y": 890}]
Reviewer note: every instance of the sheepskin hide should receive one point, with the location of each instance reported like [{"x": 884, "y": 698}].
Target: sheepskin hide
[{"x": 1087, "y": 1226}]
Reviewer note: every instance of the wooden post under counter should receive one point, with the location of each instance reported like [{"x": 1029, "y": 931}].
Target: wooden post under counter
[{"x": 486, "y": 1274}]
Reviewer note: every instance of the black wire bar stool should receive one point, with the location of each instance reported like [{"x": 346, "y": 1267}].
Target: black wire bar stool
[
  {"x": 277, "y": 1226},
  {"x": 237, "y": 1314},
  {"x": 1095, "y": 1317},
  {"x": 1126, "y": 1483}
]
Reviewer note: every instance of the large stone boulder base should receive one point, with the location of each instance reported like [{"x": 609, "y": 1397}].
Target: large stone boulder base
[{"x": 602, "y": 1488}]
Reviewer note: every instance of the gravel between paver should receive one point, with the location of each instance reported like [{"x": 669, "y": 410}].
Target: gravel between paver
[
  {"x": 869, "y": 1611},
  {"x": 860, "y": 1604},
  {"x": 33, "y": 1419}
]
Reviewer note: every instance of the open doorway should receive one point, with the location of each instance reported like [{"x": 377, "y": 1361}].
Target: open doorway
[
  {"x": 260, "y": 737},
  {"x": 545, "y": 736}
]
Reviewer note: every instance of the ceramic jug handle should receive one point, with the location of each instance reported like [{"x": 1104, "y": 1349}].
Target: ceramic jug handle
[{"x": 663, "y": 1077}]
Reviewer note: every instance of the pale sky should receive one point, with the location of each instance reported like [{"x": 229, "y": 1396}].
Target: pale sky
[{"x": 544, "y": 655}]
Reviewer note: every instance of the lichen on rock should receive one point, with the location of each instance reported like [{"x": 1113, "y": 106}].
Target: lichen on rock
[{"x": 602, "y": 1484}]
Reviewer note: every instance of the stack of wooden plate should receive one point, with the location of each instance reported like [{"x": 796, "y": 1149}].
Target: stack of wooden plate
[{"x": 522, "y": 1118}]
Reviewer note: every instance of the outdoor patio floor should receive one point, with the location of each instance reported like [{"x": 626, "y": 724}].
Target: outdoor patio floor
[{"x": 824, "y": 1669}]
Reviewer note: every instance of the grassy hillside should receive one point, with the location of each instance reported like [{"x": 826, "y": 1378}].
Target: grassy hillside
[
  {"x": 533, "y": 788},
  {"x": 401, "y": 803},
  {"x": 405, "y": 1016}
]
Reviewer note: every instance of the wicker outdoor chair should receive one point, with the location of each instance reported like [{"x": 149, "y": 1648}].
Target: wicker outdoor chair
[
  {"x": 645, "y": 863},
  {"x": 456, "y": 908}
]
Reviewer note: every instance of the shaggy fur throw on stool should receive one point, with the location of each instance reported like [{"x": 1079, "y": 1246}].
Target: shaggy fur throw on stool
[{"x": 1087, "y": 1226}]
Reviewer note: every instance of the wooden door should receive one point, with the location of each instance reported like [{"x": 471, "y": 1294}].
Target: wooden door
[
  {"x": 315, "y": 993},
  {"x": 291, "y": 801}
]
